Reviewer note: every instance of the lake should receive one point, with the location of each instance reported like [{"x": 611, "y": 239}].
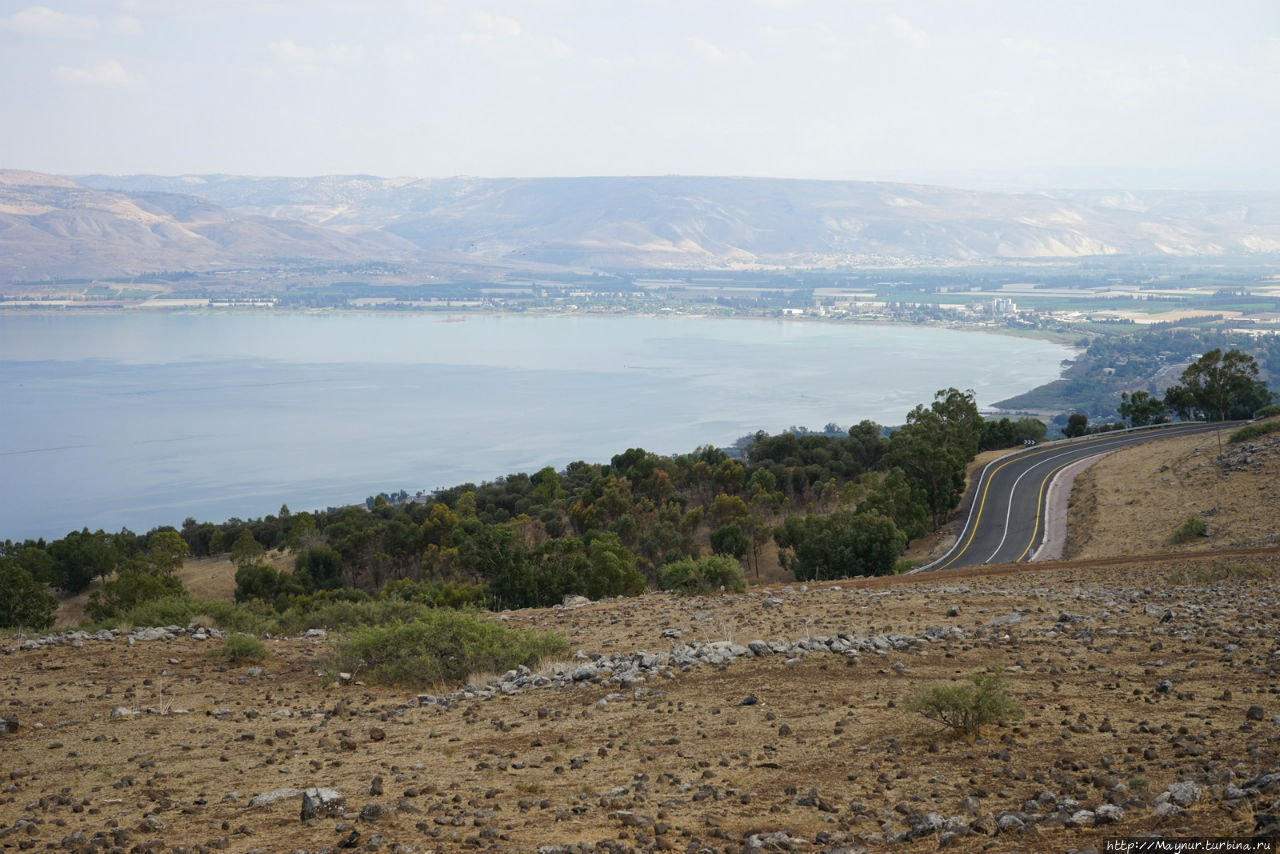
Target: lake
[{"x": 139, "y": 420}]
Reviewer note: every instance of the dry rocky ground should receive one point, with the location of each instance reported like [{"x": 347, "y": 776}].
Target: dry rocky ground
[{"x": 772, "y": 720}]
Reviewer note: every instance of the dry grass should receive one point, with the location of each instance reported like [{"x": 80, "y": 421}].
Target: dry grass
[
  {"x": 554, "y": 766},
  {"x": 1131, "y": 502}
]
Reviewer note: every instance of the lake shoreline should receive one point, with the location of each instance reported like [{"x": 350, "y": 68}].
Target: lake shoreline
[{"x": 141, "y": 420}]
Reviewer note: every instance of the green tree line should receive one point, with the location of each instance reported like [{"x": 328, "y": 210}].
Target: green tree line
[{"x": 835, "y": 504}]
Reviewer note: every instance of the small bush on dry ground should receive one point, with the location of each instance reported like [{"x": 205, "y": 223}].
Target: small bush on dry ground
[
  {"x": 441, "y": 647},
  {"x": 966, "y": 707},
  {"x": 1190, "y": 529}
]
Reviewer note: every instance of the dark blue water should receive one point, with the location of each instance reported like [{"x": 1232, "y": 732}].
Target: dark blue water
[{"x": 140, "y": 420}]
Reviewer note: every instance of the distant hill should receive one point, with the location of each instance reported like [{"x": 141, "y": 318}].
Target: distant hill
[
  {"x": 52, "y": 228},
  {"x": 97, "y": 222}
]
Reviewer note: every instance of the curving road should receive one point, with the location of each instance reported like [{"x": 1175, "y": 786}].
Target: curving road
[{"x": 1007, "y": 510}]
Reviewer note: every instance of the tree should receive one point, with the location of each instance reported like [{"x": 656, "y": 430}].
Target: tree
[
  {"x": 80, "y": 555},
  {"x": 894, "y": 498},
  {"x": 730, "y": 540},
  {"x": 1141, "y": 408},
  {"x": 1218, "y": 385},
  {"x": 934, "y": 465},
  {"x": 318, "y": 568},
  {"x": 165, "y": 552},
  {"x": 1077, "y": 425},
  {"x": 840, "y": 545},
  {"x": 24, "y": 602},
  {"x": 245, "y": 550}
]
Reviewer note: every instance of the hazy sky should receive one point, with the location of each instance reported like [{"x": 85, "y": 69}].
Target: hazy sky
[{"x": 1119, "y": 91}]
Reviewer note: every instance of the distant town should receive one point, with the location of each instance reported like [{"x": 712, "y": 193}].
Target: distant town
[{"x": 1062, "y": 300}]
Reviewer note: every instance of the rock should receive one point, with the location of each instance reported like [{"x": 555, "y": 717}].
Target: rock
[
  {"x": 930, "y": 822},
  {"x": 572, "y": 601},
  {"x": 124, "y": 712},
  {"x": 1254, "y": 713},
  {"x": 631, "y": 819},
  {"x": 1108, "y": 814},
  {"x": 373, "y": 812},
  {"x": 321, "y": 803},
  {"x": 749, "y": 700},
  {"x": 269, "y": 798},
  {"x": 779, "y": 840},
  {"x": 8, "y": 725},
  {"x": 1268, "y": 783},
  {"x": 1006, "y": 620},
  {"x": 1167, "y": 810},
  {"x": 377, "y": 734},
  {"x": 1164, "y": 686},
  {"x": 1184, "y": 794},
  {"x": 1081, "y": 818},
  {"x": 1008, "y": 822},
  {"x": 953, "y": 611}
]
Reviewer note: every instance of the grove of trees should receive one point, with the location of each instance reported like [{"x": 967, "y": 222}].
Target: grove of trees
[{"x": 834, "y": 504}]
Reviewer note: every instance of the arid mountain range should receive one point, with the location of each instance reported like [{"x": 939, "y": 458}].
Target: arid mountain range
[{"x": 101, "y": 226}]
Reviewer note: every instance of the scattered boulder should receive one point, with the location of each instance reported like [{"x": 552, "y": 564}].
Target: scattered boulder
[
  {"x": 266, "y": 799},
  {"x": 322, "y": 803}
]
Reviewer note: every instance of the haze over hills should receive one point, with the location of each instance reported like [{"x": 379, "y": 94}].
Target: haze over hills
[
  {"x": 112, "y": 225},
  {"x": 52, "y": 228}
]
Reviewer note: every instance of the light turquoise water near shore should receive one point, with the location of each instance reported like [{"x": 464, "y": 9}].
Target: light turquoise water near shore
[{"x": 111, "y": 420}]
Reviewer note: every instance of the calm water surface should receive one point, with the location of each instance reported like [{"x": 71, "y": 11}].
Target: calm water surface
[{"x": 141, "y": 420}]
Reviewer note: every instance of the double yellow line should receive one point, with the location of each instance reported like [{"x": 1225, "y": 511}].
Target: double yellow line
[{"x": 1021, "y": 456}]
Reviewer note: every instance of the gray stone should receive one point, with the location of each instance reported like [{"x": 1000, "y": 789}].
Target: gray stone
[
  {"x": 322, "y": 802},
  {"x": 1185, "y": 793},
  {"x": 1108, "y": 814},
  {"x": 269, "y": 798},
  {"x": 1254, "y": 713}
]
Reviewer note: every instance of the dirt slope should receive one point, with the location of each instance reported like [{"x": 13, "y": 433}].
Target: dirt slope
[{"x": 1143, "y": 683}]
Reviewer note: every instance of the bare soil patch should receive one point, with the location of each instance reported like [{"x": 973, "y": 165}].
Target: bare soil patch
[{"x": 1131, "y": 502}]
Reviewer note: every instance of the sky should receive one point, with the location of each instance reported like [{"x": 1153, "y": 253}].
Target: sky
[{"x": 997, "y": 93}]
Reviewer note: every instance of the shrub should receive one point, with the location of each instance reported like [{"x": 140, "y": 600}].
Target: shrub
[
  {"x": 1254, "y": 431},
  {"x": 1218, "y": 573},
  {"x": 127, "y": 591},
  {"x": 442, "y": 646},
  {"x": 173, "y": 610},
  {"x": 1190, "y": 529},
  {"x": 705, "y": 575},
  {"x": 1268, "y": 411},
  {"x": 240, "y": 649},
  {"x": 966, "y": 707},
  {"x": 438, "y": 594}
]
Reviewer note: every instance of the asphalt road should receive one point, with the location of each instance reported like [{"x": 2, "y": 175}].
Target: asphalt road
[{"x": 1006, "y": 517}]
